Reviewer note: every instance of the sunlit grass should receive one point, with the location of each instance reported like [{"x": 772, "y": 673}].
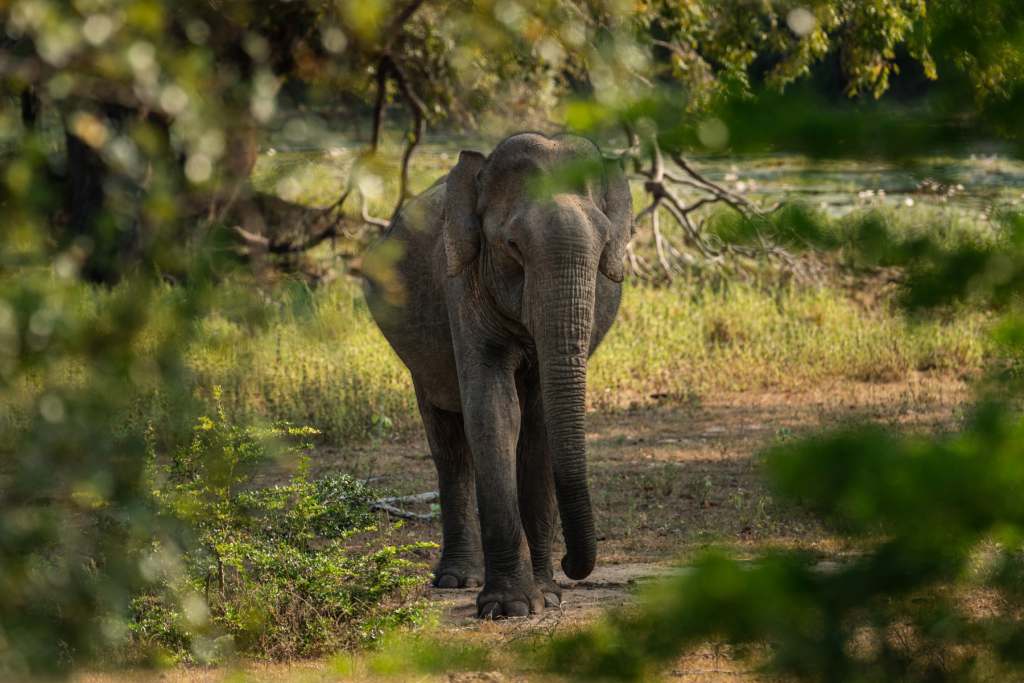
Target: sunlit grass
[
  {"x": 678, "y": 341},
  {"x": 313, "y": 358},
  {"x": 316, "y": 357}
]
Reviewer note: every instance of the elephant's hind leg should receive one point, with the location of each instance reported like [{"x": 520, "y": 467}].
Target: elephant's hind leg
[
  {"x": 537, "y": 504},
  {"x": 461, "y": 563}
]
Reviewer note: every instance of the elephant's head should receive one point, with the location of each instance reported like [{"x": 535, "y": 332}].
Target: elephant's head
[{"x": 539, "y": 253}]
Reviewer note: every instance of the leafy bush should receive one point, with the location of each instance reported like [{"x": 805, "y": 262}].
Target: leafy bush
[{"x": 298, "y": 569}]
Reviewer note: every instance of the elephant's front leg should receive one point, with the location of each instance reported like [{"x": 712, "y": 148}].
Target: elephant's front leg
[
  {"x": 537, "y": 491},
  {"x": 461, "y": 563},
  {"x": 491, "y": 415}
]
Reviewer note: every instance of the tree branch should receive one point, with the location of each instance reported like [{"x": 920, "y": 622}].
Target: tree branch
[
  {"x": 730, "y": 198},
  {"x": 659, "y": 245},
  {"x": 395, "y": 27},
  {"x": 310, "y": 240},
  {"x": 657, "y": 182},
  {"x": 416, "y": 107},
  {"x": 378, "y": 105},
  {"x": 387, "y": 505},
  {"x": 372, "y": 220}
]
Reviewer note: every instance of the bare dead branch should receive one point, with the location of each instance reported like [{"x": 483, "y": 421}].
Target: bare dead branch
[
  {"x": 403, "y": 514},
  {"x": 378, "y": 106},
  {"x": 634, "y": 264},
  {"x": 388, "y": 505},
  {"x": 729, "y": 197},
  {"x": 633, "y": 148},
  {"x": 699, "y": 204},
  {"x": 658, "y": 182},
  {"x": 425, "y": 497},
  {"x": 659, "y": 245},
  {"x": 318, "y": 226},
  {"x": 657, "y": 162},
  {"x": 692, "y": 233},
  {"x": 372, "y": 220},
  {"x": 416, "y": 107},
  {"x": 252, "y": 239},
  {"x": 652, "y": 207}
]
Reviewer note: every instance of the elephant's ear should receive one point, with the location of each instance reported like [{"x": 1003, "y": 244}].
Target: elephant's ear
[
  {"x": 461, "y": 222},
  {"x": 618, "y": 207}
]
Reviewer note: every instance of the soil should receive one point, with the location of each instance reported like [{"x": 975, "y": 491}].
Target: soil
[{"x": 669, "y": 480}]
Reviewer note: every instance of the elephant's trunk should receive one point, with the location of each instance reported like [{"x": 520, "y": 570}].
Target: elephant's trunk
[{"x": 564, "y": 322}]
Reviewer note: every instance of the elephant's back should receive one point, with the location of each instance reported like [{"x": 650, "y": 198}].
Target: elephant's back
[
  {"x": 404, "y": 278},
  {"x": 400, "y": 252},
  {"x": 399, "y": 268}
]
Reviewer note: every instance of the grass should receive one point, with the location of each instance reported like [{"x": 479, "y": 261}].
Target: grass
[
  {"x": 315, "y": 356},
  {"x": 309, "y": 357},
  {"x": 677, "y": 341}
]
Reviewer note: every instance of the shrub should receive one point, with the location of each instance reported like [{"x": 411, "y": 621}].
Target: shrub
[{"x": 292, "y": 570}]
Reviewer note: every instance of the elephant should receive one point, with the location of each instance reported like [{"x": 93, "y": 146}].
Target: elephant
[{"x": 494, "y": 293}]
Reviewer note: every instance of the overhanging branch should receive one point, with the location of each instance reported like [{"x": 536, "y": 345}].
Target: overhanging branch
[{"x": 649, "y": 164}]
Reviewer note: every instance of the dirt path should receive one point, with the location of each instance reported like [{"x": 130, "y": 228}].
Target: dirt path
[
  {"x": 610, "y": 585},
  {"x": 669, "y": 480}
]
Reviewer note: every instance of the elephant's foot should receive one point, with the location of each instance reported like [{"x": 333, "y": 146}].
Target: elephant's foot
[
  {"x": 551, "y": 591},
  {"x": 452, "y": 574},
  {"x": 512, "y": 597}
]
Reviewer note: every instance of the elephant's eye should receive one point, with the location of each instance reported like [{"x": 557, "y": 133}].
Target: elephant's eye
[{"x": 514, "y": 251}]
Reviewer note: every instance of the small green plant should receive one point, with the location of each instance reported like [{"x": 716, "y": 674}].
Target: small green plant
[{"x": 297, "y": 569}]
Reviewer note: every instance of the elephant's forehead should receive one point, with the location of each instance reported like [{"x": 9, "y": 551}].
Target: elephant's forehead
[{"x": 531, "y": 152}]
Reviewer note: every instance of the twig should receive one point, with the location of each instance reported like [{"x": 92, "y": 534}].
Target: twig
[
  {"x": 425, "y": 497},
  {"x": 733, "y": 199},
  {"x": 657, "y": 180},
  {"x": 634, "y": 264},
  {"x": 395, "y": 27},
  {"x": 700, "y": 203},
  {"x": 675, "y": 208},
  {"x": 652, "y": 207},
  {"x": 367, "y": 218},
  {"x": 329, "y": 230},
  {"x": 634, "y": 148},
  {"x": 387, "y": 505},
  {"x": 404, "y": 514}
]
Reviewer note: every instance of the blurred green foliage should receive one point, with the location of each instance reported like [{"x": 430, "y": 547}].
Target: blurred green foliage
[{"x": 71, "y": 471}]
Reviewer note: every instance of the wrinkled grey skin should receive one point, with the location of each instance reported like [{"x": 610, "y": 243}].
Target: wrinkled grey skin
[{"x": 495, "y": 298}]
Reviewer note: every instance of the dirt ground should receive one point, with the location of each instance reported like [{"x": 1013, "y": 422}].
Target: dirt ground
[{"x": 667, "y": 480}]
